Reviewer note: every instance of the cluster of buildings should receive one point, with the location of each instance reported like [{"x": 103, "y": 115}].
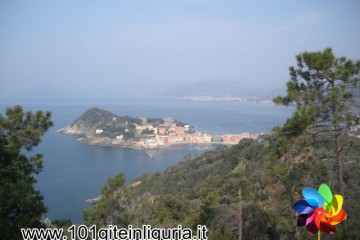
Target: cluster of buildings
[
  {"x": 161, "y": 140},
  {"x": 170, "y": 133}
]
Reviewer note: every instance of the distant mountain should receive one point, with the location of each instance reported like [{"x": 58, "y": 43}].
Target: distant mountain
[
  {"x": 44, "y": 93},
  {"x": 227, "y": 88},
  {"x": 40, "y": 93},
  {"x": 49, "y": 93}
]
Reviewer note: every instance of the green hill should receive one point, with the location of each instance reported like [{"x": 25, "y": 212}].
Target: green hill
[
  {"x": 94, "y": 116},
  {"x": 110, "y": 124},
  {"x": 205, "y": 190}
]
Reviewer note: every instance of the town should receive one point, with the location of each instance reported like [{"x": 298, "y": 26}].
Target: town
[{"x": 168, "y": 131}]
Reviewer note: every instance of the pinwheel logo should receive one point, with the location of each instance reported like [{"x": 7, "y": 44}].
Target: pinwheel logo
[{"x": 320, "y": 210}]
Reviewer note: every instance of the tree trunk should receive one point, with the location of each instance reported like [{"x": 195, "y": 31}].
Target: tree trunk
[
  {"x": 295, "y": 231},
  {"x": 338, "y": 146},
  {"x": 339, "y": 161},
  {"x": 240, "y": 217}
]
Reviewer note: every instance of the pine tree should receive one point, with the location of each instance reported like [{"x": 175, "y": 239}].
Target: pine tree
[
  {"x": 21, "y": 206},
  {"x": 321, "y": 88}
]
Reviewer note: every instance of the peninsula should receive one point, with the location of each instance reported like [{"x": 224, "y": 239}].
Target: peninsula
[{"x": 100, "y": 127}]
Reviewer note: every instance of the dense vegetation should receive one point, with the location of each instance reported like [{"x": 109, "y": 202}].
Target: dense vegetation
[
  {"x": 204, "y": 190},
  {"x": 21, "y": 206},
  {"x": 111, "y": 124},
  {"x": 94, "y": 116}
]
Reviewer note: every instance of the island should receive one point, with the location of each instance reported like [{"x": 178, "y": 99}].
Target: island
[{"x": 103, "y": 128}]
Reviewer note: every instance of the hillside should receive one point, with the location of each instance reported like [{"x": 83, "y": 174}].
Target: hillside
[
  {"x": 205, "y": 190},
  {"x": 96, "y": 118}
]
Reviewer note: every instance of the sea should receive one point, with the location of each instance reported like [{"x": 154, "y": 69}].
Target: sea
[{"x": 74, "y": 172}]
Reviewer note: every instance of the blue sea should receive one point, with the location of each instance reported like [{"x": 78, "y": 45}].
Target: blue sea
[{"x": 74, "y": 172}]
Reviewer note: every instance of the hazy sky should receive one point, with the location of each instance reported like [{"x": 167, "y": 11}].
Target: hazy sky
[{"x": 118, "y": 46}]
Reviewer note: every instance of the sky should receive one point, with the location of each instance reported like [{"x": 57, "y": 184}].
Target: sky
[{"x": 136, "y": 47}]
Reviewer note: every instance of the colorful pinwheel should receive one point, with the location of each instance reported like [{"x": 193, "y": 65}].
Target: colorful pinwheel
[{"x": 320, "y": 210}]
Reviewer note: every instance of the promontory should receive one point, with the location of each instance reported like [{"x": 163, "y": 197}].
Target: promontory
[{"x": 100, "y": 127}]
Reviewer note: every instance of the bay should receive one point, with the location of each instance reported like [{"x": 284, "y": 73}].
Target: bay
[{"x": 74, "y": 172}]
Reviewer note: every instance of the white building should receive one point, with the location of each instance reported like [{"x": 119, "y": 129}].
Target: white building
[{"x": 120, "y": 137}]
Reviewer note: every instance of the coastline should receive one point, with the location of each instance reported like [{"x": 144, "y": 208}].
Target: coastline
[
  {"x": 106, "y": 142},
  {"x": 258, "y": 100},
  {"x": 102, "y": 128}
]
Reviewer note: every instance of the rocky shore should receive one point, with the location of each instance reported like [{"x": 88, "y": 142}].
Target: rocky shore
[{"x": 90, "y": 139}]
